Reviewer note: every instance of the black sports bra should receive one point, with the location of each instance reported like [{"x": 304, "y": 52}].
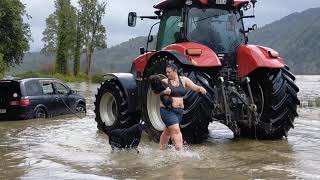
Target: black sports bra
[{"x": 179, "y": 91}]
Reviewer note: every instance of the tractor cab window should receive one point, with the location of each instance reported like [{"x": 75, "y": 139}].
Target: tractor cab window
[
  {"x": 169, "y": 28},
  {"x": 215, "y": 28}
]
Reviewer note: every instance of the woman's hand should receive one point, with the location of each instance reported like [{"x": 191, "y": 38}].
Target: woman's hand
[
  {"x": 166, "y": 91},
  {"x": 202, "y": 90}
]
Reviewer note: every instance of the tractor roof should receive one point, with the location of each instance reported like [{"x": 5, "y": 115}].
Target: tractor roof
[{"x": 168, "y": 4}]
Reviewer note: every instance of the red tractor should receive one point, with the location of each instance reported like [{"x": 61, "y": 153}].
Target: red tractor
[{"x": 250, "y": 88}]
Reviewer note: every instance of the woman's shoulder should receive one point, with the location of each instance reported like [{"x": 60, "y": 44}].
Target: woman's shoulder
[{"x": 184, "y": 79}]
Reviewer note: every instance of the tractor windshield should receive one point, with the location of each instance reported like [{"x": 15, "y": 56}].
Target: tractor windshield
[{"x": 215, "y": 28}]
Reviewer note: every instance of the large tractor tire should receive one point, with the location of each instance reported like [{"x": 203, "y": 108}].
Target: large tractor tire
[
  {"x": 194, "y": 124},
  {"x": 275, "y": 95},
  {"x": 111, "y": 108}
]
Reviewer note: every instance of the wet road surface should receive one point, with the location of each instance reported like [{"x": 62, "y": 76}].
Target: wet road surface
[{"x": 71, "y": 148}]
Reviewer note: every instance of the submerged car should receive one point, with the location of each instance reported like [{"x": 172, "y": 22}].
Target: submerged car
[{"x": 38, "y": 98}]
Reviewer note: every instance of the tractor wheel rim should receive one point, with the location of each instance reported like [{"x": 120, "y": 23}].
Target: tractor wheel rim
[
  {"x": 108, "y": 109},
  {"x": 153, "y": 109},
  {"x": 261, "y": 100}
]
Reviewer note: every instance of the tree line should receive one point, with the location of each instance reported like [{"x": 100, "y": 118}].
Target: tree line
[{"x": 72, "y": 31}]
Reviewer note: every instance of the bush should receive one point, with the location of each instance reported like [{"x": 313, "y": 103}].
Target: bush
[
  {"x": 98, "y": 78},
  {"x": 30, "y": 74},
  {"x": 3, "y": 66},
  {"x": 317, "y": 102},
  {"x": 41, "y": 74}
]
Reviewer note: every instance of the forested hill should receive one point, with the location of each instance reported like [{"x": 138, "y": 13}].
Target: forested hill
[
  {"x": 114, "y": 59},
  {"x": 296, "y": 37}
]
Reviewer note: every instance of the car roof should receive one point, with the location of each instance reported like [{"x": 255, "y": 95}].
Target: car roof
[
  {"x": 49, "y": 79},
  {"x": 39, "y": 79}
]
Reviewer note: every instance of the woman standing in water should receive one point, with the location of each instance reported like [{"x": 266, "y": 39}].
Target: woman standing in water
[{"x": 172, "y": 116}]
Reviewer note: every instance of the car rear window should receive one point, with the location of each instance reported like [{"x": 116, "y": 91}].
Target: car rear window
[
  {"x": 9, "y": 90},
  {"x": 33, "y": 88}
]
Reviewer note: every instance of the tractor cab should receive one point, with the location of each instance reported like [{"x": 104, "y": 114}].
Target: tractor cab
[{"x": 217, "y": 24}]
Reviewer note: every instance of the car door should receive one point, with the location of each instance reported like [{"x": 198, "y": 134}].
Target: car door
[
  {"x": 51, "y": 99},
  {"x": 63, "y": 92}
]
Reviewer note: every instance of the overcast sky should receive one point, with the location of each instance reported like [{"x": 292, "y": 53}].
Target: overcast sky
[{"x": 115, "y": 19}]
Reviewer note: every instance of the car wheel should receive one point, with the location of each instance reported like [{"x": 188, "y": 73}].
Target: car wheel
[
  {"x": 80, "y": 108},
  {"x": 40, "y": 113}
]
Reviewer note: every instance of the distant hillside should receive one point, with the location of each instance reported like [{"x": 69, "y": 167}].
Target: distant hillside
[
  {"x": 296, "y": 37},
  {"x": 115, "y": 59}
]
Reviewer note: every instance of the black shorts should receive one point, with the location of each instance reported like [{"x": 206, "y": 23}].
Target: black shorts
[{"x": 171, "y": 116}]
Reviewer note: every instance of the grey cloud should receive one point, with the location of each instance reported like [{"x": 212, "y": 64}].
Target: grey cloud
[{"x": 115, "y": 20}]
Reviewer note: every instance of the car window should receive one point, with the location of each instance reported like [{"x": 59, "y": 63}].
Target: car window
[
  {"x": 33, "y": 88},
  {"x": 61, "y": 89},
  {"x": 47, "y": 88}
]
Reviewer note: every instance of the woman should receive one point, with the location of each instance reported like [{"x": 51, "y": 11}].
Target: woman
[{"x": 172, "y": 116}]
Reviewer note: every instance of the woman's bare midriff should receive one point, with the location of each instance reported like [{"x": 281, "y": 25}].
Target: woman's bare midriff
[{"x": 177, "y": 102}]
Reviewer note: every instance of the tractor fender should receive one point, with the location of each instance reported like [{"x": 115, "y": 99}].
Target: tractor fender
[
  {"x": 128, "y": 85},
  {"x": 174, "y": 55},
  {"x": 251, "y": 57}
]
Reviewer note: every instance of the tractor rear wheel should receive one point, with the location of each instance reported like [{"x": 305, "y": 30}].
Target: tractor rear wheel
[
  {"x": 195, "y": 121},
  {"x": 275, "y": 95},
  {"x": 111, "y": 108}
]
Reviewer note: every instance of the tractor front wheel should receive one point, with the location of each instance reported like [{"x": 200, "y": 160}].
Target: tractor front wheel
[{"x": 111, "y": 108}]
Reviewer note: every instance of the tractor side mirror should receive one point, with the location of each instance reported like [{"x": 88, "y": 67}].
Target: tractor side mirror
[
  {"x": 142, "y": 50},
  {"x": 254, "y": 2},
  {"x": 132, "y": 19},
  {"x": 253, "y": 28}
]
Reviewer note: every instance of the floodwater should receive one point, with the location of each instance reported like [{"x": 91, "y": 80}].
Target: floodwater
[{"x": 72, "y": 148}]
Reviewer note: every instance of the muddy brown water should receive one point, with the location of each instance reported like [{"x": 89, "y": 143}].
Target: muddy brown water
[{"x": 72, "y": 148}]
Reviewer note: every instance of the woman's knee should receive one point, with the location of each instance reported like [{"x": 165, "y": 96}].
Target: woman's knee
[
  {"x": 166, "y": 132},
  {"x": 174, "y": 129}
]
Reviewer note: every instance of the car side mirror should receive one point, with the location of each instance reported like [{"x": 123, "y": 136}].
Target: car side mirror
[
  {"x": 72, "y": 92},
  {"x": 132, "y": 19}
]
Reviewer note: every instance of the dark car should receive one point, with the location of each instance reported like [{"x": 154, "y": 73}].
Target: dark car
[{"x": 38, "y": 98}]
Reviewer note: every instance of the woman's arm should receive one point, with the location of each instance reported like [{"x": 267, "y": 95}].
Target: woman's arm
[{"x": 194, "y": 87}]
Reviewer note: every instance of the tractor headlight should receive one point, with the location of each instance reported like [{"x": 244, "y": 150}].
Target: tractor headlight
[{"x": 273, "y": 54}]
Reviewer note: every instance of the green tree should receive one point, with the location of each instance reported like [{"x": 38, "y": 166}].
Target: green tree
[
  {"x": 50, "y": 35},
  {"x": 3, "y": 66},
  {"x": 77, "y": 51},
  {"x": 94, "y": 33},
  {"x": 14, "y": 33},
  {"x": 58, "y": 37}
]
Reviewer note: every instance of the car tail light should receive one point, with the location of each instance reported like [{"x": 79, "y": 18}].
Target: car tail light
[
  {"x": 24, "y": 102},
  {"x": 194, "y": 52}
]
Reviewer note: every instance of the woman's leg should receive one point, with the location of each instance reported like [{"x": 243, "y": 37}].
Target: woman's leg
[
  {"x": 176, "y": 136},
  {"x": 164, "y": 139}
]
